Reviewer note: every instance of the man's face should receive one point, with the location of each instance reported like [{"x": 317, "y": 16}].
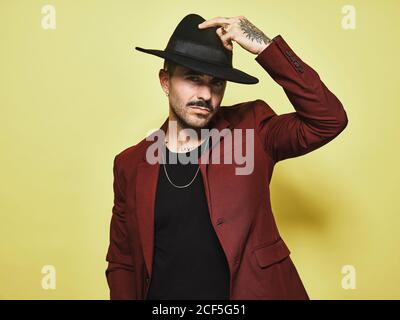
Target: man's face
[{"x": 194, "y": 98}]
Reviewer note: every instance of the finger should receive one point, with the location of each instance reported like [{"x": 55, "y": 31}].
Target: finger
[
  {"x": 220, "y": 32},
  {"x": 214, "y": 22},
  {"x": 226, "y": 39}
]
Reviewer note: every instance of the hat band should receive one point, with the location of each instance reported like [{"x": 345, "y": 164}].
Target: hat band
[{"x": 202, "y": 52}]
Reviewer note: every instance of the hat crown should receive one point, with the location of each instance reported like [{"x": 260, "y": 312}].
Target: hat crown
[
  {"x": 201, "y": 50},
  {"x": 202, "y": 44}
]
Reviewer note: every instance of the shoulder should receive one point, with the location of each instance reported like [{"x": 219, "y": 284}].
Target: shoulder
[
  {"x": 131, "y": 156},
  {"x": 248, "y": 111}
]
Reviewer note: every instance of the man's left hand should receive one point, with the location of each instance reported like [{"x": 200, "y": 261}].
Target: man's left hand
[{"x": 240, "y": 30}]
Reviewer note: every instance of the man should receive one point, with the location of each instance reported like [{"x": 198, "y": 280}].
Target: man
[{"x": 201, "y": 230}]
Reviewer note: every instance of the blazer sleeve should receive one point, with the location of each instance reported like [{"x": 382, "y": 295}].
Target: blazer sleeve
[
  {"x": 319, "y": 115},
  {"x": 120, "y": 271}
]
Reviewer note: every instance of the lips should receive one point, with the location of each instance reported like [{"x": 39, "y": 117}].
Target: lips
[{"x": 200, "y": 109}]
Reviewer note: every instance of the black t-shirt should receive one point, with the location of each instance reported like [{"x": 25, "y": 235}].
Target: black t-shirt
[{"x": 189, "y": 262}]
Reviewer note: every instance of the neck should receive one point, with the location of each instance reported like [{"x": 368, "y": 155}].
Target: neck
[{"x": 180, "y": 138}]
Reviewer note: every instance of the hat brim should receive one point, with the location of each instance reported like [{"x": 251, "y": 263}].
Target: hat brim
[{"x": 226, "y": 73}]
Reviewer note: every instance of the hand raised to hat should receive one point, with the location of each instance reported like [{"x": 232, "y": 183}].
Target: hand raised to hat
[{"x": 240, "y": 30}]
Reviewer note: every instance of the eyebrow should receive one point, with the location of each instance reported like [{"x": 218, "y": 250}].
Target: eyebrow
[{"x": 196, "y": 73}]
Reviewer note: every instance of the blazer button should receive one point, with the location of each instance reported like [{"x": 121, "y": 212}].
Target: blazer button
[{"x": 220, "y": 221}]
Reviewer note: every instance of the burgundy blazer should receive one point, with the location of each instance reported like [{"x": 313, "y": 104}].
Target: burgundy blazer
[{"x": 239, "y": 205}]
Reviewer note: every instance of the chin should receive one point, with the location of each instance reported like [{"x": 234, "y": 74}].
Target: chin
[{"x": 198, "y": 123}]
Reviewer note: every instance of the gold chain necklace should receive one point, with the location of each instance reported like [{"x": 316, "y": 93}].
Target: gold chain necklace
[{"x": 188, "y": 184}]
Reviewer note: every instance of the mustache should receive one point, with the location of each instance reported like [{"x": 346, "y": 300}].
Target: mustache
[{"x": 201, "y": 103}]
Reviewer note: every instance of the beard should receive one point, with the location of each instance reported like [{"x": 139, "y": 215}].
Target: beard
[{"x": 184, "y": 124}]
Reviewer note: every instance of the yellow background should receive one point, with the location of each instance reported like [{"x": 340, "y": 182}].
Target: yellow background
[{"x": 74, "y": 97}]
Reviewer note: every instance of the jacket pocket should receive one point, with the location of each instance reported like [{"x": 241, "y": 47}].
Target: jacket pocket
[{"x": 268, "y": 254}]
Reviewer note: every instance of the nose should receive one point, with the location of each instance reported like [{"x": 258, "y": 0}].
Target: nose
[{"x": 204, "y": 92}]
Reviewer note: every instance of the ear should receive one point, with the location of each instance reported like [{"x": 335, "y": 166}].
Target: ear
[{"x": 164, "y": 80}]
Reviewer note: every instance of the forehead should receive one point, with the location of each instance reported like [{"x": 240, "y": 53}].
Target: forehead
[{"x": 190, "y": 72}]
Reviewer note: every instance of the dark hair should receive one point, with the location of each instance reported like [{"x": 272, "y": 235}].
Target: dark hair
[{"x": 170, "y": 67}]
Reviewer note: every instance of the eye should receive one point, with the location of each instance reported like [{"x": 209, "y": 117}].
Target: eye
[{"x": 194, "y": 78}]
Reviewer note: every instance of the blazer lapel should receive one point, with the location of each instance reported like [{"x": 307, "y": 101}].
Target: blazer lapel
[
  {"x": 146, "y": 186},
  {"x": 219, "y": 124}
]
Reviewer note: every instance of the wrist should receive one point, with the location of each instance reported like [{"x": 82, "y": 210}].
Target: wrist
[{"x": 267, "y": 42}]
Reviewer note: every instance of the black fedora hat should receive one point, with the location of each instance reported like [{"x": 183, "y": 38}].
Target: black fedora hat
[{"x": 201, "y": 50}]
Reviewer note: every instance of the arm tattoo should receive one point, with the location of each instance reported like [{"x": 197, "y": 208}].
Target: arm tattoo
[{"x": 252, "y": 32}]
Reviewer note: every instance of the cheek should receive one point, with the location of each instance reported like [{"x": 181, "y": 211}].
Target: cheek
[
  {"x": 180, "y": 99},
  {"x": 217, "y": 98},
  {"x": 185, "y": 94},
  {"x": 181, "y": 90}
]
